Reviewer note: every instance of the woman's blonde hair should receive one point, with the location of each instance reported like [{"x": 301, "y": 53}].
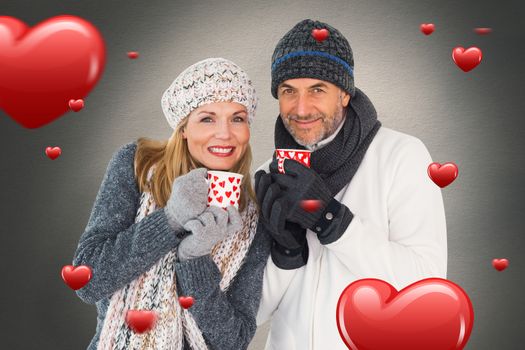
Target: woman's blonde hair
[{"x": 172, "y": 159}]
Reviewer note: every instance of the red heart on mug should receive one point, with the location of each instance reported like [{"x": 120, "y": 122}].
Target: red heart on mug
[
  {"x": 219, "y": 199},
  {"x": 500, "y": 264},
  {"x": 235, "y": 188},
  {"x": 209, "y": 199},
  {"x": 215, "y": 192},
  {"x": 133, "y": 54},
  {"x": 76, "y": 105},
  {"x": 228, "y": 193},
  {"x": 215, "y": 178},
  {"x": 186, "y": 302},
  {"x": 427, "y": 28},
  {"x": 76, "y": 277},
  {"x": 232, "y": 202},
  {"x": 431, "y": 314},
  {"x": 222, "y": 183},
  {"x": 320, "y": 34},
  {"x": 466, "y": 59},
  {"x": 213, "y": 185},
  {"x": 231, "y": 179},
  {"x": 53, "y": 152},
  {"x": 238, "y": 181},
  {"x": 43, "y": 66},
  {"x": 141, "y": 321},
  {"x": 442, "y": 175}
]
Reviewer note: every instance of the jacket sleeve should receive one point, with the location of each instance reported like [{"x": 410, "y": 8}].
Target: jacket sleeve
[
  {"x": 414, "y": 245},
  {"x": 117, "y": 249},
  {"x": 226, "y": 318}
]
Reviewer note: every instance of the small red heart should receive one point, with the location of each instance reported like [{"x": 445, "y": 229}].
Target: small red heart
[
  {"x": 219, "y": 199},
  {"x": 209, "y": 176},
  {"x": 53, "y": 152},
  {"x": 209, "y": 199},
  {"x": 237, "y": 194},
  {"x": 231, "y": 179},
  {"x": 141, "y": 321},
  {"x": 431, "y": 314},
  {"x": 133, "y": 54},
  {"x": 500, "y": 264},
  {"x": 76, "y": 277},
  {"x": 222, "y": 183},
  {"x": 43, "y": 66},
  {"x": 427, "y": 28},
  {"x": 311, "y": 205},
  {"x": 186, "y": 302},
  {"x": 215, "y": 178},
  {"x": 215, "y": 192},
  {"x": 238, "y": 181},
  {"x": 443, "y": 175},
  {"x": 232, "y": 202},
  {"x": 483, "y": 31},
  {"x": 228, "y": 193},
  {"x": 213, "y": 185},
  {"x": 467, "y": 59},
  {"x": 76, "y": 105},
  {"x": 320, "y": 34},
  {"x": 235, "y": 188}
]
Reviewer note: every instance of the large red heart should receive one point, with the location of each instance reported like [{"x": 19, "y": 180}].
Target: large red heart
[
  {"x": 76, "y": 277},
  {"x": 443, "y": 175},
  {"x": 427, "y": 28},
  {"x": 44, "y": 67},
  {"x": 466, "y": 59},
  {"x": 500, "y": 264},
  {"x": 141, "y": 321},
  {"x": 431, "y": 314}
]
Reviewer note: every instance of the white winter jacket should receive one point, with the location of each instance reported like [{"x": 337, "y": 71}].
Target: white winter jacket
[{"x": 397, "y": 234}]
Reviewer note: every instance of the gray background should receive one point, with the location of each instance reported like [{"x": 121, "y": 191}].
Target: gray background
[{"x": 473, "y": 119}]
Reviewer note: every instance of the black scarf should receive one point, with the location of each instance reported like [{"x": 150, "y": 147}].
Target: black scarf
[{"x": 338, "y": 161}]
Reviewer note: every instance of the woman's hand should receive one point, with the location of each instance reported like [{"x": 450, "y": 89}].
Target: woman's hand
[
  {"x": 188, "y": 199},
  {"x": 211, "y": 227}
]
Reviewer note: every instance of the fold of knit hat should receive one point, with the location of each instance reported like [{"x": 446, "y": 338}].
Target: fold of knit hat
[
  {"x": 313, "y": 49},
  {"x": 208, "y": 81}
]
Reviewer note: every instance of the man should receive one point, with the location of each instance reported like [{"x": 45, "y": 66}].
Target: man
[{"x": 378, "y": 214}]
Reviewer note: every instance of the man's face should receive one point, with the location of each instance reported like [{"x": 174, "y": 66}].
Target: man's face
[{"x": 311, "y": 109}]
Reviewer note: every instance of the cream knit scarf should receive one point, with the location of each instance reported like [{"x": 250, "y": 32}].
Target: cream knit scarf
[{"x": 156, "y": 290}]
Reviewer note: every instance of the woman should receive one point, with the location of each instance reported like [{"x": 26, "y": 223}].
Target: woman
[{"x": 151, "y": 237}]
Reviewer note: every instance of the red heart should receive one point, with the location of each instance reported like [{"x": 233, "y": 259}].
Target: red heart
[
  {"x": 427, "y": 28},
  {"x": 76, "y": 277},
  {"x": 215, "y": 192},
  {"x": 219, "y": 199},
  {"x": 483, "y": 31},
  {"x": 320, "y": 34},
  {"x": 431, "y": 314},
  {"x": 222, "y": 184},
  {"x": 186, "y": 302},
  {"x": 141, "y": 321},
  {"x": 466, "y": 59},
  {"x": 311, "y": 205},
  {"x": 238, "y": 181},
  {"x": 133, "y": 54},
  {"x": 209, "y": 199},
  {"x": 232, "y": 202},
  {"x": 53, "y": 152},
  {"x": 231, "y": 179},
  {"x": 235, "y": 188},
  {"x": 215, "y": 178},
  {"x": 443, "y": 175},
  {"x": 228, "y": 193},
  {"x": 237, "y": 194},
  {"x": 76, "y": 105},
  {"x": 43, "y": 66},
  {"x": 500, "y": 264},
  {"x": 213, "y": 185}
]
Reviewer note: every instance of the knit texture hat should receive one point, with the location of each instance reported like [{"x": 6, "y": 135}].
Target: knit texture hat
[
  {"x": 313, "y": 49},
  {"x": 208, "y": 81}
]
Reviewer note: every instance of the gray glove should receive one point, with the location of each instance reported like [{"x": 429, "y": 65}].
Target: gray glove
[
  {"x": 188, "y": 199},
  {"x": 207, "y": 230}
]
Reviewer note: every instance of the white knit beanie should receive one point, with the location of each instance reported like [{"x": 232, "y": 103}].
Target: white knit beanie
[{"x": 208, "y": 81}]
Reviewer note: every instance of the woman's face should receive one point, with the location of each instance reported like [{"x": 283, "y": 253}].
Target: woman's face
[{"x": 218, "y": 134}]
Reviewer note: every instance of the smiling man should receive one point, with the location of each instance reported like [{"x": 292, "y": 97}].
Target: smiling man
[{"x": 379, "y": 214}]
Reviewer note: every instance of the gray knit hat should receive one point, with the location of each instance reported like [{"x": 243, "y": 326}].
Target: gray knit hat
[
  {"x": 208, "y": 81},
  {"x": 313, "y": 49}
]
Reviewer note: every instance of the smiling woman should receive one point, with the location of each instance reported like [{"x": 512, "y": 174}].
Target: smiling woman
[{"x": 152, "y": 237}]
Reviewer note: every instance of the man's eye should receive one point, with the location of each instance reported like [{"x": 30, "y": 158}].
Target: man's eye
[
  {"x": 317, "y": 90},
  {"x": 287, "y": 91}
]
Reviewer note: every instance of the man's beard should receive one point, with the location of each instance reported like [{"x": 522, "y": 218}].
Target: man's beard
[{"x": 329, "y": 126}]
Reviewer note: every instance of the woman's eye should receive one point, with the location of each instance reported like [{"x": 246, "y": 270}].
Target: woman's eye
[
  {"x": 239, "y": 119},
  {"x": 206, "y": 119}
]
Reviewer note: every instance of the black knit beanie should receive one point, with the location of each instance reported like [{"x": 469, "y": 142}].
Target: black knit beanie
[{"x": 313, "y": 49}]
